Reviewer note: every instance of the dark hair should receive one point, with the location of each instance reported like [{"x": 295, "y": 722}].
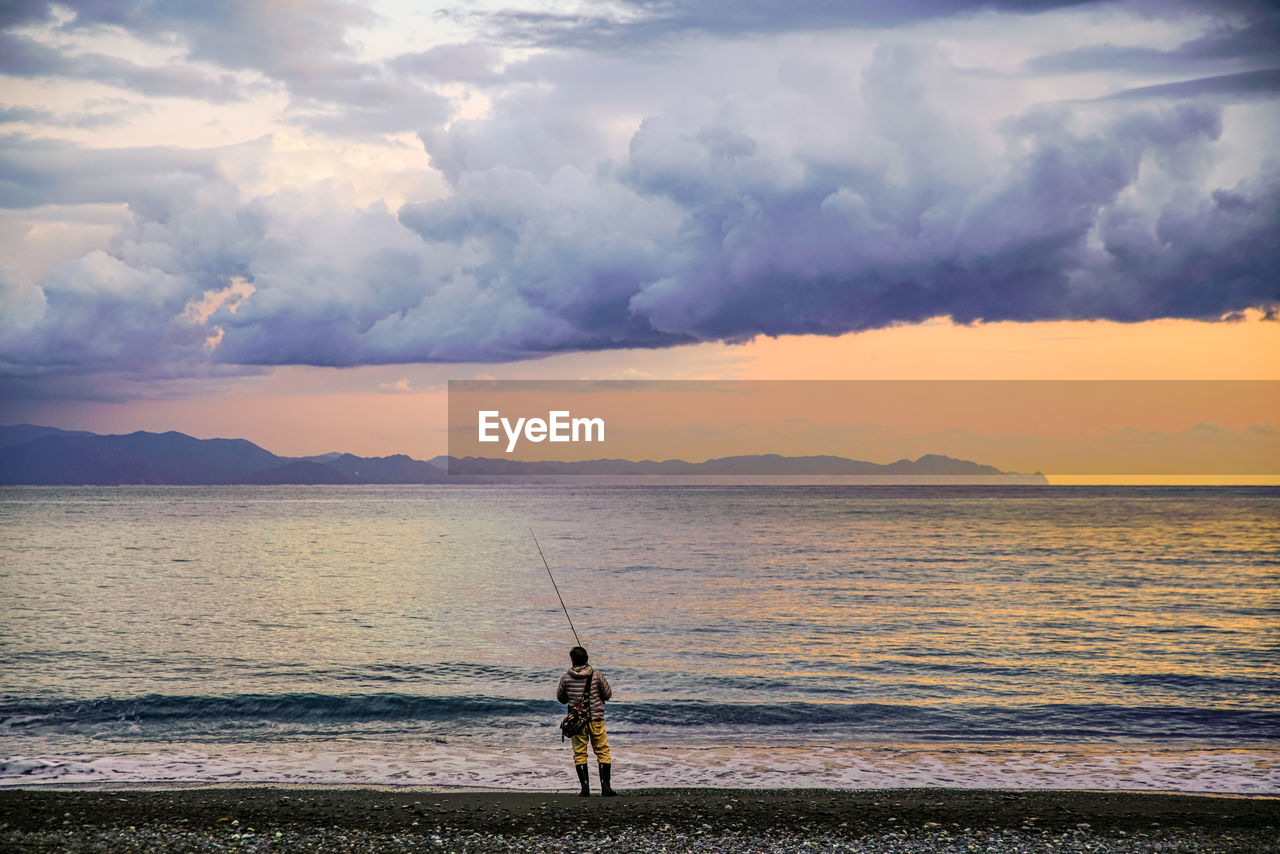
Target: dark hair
[{"x": 578, "y": 656}]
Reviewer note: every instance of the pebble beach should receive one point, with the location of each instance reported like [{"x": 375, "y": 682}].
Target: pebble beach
[{"x": 655, "y": 820}]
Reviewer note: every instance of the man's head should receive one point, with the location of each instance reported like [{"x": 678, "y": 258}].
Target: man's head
[{"x": 578, "y": 656}]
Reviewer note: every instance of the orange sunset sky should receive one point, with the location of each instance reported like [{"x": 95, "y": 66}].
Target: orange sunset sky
[{"x": 381, "y": 410}]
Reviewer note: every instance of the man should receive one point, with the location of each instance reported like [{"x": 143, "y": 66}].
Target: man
[{"x": 580, "y": 678}]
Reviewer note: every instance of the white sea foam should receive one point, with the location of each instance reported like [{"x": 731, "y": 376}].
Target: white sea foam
[{"x": 548, "y": 768}]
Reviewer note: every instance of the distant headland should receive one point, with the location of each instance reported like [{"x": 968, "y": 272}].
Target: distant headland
[{"x": 47, "y": 456}]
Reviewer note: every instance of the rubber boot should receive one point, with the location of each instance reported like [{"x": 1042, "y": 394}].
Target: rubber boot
[
  {"x": 582, "y": 778},
  {"x": 605, "y": 789}
]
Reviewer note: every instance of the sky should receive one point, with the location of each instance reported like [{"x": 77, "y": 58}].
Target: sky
[{"x": 294, "y": 221}]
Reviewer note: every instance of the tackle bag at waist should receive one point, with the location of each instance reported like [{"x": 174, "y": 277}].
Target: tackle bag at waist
[{"x": 578, "y": 715}]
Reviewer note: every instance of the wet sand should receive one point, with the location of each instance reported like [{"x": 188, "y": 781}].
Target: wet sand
[{"x": 897, "y": 820}]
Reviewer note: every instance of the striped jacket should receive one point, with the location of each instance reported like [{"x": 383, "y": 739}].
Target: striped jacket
[{"x": 574, "y": 682}]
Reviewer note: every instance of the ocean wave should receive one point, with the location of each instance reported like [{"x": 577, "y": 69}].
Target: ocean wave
[
  {"x": 270, "y": 707},
  {"x": 1066, "y": 722}
]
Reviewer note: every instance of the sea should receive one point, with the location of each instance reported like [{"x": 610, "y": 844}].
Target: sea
[{"x": 754, "y": 636}]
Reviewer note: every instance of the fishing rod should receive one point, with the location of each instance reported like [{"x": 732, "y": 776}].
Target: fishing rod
[{"x": 553, "y": 584}]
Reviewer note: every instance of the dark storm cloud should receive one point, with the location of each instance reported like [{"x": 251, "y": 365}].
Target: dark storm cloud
[
  {"x": 365, "y": 104},
  {"x": 24, "y": 57},
  {"x": 649, "y": 20},
  {"x": 465, "y": 63},
  {"x": 1264, "y": 83},
  {"x": 303, "y": 48},
  {"x": 15, "y": 13},
  {"x": 37, "y": 171},
  {"x": 850, "y": 251},
  {"x": 704, "y": 232},
  {"x": 82, "y": 119},
  {"x": 284, "y": 41},
  {"x": 1251, "y": 43},
  {"x": 129, "y": 308},
  {"x": 9, "y": 115}
]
